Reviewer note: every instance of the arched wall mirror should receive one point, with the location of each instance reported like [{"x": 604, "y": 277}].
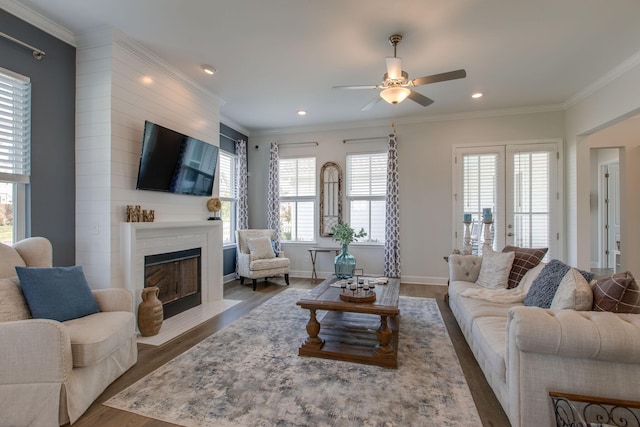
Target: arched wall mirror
[{"x": 330, "y": 197}]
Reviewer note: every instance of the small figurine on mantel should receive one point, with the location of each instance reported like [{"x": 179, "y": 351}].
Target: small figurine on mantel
[{"x": 214, "y": 205}]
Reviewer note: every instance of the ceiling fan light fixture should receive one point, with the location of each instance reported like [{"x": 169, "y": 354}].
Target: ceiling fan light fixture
[{"x": 395, "y": 95}]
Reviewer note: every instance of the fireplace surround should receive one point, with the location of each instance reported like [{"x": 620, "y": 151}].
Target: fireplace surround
[{"x": 142, "y": 239}]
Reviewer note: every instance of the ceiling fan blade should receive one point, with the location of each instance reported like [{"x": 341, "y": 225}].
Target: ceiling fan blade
[
  {"x": 435, "y": 78},
  {"x": 420, "y": 98},
  {"x": 371, "y": 103},
  {"x": 358, "y": 87},
  {"x": 394, "y": 68}
]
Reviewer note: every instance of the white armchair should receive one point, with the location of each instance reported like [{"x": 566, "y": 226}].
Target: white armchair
[
  {"x": 256, "y": 258},
  {"x": 50, "y": 371}
]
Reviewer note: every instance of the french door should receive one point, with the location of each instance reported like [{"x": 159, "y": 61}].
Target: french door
[{"x": 519, "y": 183}]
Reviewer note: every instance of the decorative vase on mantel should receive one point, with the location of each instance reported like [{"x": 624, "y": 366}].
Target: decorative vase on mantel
[{"x": 345, "y": 263}]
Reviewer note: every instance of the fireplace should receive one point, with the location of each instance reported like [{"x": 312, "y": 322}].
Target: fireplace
[
  {"x": 141, "y": 239},
  {"x": 178, "y": 276}
]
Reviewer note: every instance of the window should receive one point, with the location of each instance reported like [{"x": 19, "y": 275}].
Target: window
[
  {"x": 519, "y": 184},
  {"x": 228, "y": 195},
  {"x": 15, "y": 153},
  {"x": 297, "y": 198},
  {"x": 366, "y": 191}
]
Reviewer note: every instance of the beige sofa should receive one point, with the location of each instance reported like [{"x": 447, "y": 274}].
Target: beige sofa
[
  {"x": 51, "y": 372},
  {"x": 526, "y": 352}
]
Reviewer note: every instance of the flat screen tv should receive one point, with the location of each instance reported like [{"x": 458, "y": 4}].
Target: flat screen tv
[{"x": 175, "y": 163}]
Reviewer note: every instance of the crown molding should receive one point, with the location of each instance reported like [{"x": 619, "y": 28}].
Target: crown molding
[
  {"x": 630, "y": 63},
  {"x": 413, "y": 120},
  {"x": 39, "y": 21}
]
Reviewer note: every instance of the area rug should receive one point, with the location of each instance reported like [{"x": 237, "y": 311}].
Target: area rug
[{"x": 249, "y": 374}]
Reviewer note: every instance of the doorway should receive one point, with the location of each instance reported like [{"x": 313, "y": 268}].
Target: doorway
[{"x": 605, "y": 210}]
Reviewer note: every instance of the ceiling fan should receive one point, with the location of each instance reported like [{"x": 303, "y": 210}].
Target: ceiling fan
[{"x": 396, "y": 84}]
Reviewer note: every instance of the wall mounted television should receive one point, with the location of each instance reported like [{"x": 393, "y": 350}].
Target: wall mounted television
[{"x": 175, "y": 163}]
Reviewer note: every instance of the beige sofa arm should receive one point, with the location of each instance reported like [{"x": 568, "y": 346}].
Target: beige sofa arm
[
  {"x": 114, "y": 299},
  {"x": 465, "y": 268},
  {"x": 594, "y": 335},
  {"x": 34, "y": 351}
]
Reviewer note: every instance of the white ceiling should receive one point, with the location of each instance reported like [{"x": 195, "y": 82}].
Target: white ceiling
[{"x": 278, "y": 56}]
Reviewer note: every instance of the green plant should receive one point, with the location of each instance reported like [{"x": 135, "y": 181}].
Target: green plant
[{"x": 343, "y": 233}]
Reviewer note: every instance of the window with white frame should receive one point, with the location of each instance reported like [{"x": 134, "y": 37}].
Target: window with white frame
[
  {"x": 228, "y": 195},
  {"x": 297, "y": 198},
  {"x": 15, "y": 153},
  {"x": 366, "y": 192}
]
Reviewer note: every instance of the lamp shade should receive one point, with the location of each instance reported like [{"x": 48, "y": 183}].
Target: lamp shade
[{"x": 394, "y": 95}]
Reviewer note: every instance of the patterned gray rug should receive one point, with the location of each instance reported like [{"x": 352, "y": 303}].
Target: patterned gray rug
[{"x": 249, "y": 374}]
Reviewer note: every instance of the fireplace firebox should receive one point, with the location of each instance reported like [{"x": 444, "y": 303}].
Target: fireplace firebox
[{"x": 178, "y": 275}]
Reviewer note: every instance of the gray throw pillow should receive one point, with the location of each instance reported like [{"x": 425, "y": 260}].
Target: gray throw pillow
[{"x": 544, "y": 287}]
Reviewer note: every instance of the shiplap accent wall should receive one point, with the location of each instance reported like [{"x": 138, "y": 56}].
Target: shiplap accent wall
[{"x": 119, "y": 86}]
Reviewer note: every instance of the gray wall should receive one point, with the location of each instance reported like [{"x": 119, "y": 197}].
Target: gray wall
[
  {"x": 229, "y": 254},
  {"x": 51, "y": 201}
]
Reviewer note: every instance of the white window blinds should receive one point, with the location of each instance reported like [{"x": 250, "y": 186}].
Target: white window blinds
[
  {"x": 531, "y": 207},
  {"x": 298, "y": 177},
  {"x": 15, "y": 126},
  {"x": 367, "y": 174},
  {"x": 366, "y": 191},
  {"x": 227, "y": 175},
  {"x": 297, "y": 198}
]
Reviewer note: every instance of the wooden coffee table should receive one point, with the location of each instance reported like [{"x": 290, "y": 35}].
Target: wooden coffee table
[{"x": 350, "y": 331}]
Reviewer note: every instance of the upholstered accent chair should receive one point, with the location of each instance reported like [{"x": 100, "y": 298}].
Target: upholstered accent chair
[
  {"x": 51, "y": 371},
  {"x": 257, "y": 258}
]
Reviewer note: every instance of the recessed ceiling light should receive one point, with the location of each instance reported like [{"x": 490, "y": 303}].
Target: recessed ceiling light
[
  {"x": 302, "y": 113},
  {"x": 208, "y": 69},
  {"x": 477, "y": 95}
]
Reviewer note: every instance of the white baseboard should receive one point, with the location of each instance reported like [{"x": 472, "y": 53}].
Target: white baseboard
[{"x": 229, "y": 278}]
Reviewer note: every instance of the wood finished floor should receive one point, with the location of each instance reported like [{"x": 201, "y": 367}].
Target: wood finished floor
[{"x": 150, "y": 358}]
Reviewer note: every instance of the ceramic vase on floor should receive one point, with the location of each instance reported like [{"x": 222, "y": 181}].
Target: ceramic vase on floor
[
  {"x": 345, "y": 263},
  {"x": 150, "y": 312}
]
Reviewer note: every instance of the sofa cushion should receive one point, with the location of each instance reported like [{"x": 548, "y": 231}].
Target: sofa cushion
[
  {"x": 57, "y": 293},
  {"x": 574, "y": 293},
  {"x": 544, "y": 287},
  {"x": 268, "y": 264},
  {"x": 495, "y": 268},
  {"x": 618, "y": 293},
  {"x": 524, "y": 260},
  {"x": 96, "y": 336},
  {"x": 13, "y": 306},
  {"x": 491, "y": 336},
  {"x": 10, "y": 259},
  {"x": 260, "y": 248}
]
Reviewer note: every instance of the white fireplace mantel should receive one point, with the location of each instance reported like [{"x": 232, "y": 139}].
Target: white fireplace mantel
[{"x": 139, "y": 239}]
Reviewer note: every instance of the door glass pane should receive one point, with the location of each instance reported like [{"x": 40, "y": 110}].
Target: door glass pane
[
  {"x": 479, "y": 192},
  {"x": 531, "y": 199}
]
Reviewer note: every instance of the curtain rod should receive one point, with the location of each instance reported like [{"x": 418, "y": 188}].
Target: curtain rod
[
  {"x": 298, "y": 143},
  {"x": 352, "y": 140},
  {"x": 37, "y": 53}
]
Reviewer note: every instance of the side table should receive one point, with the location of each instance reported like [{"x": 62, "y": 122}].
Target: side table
[{"x": 313, "y": 252}]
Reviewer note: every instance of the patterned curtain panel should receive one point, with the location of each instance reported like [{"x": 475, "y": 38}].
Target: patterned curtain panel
[
  {"x": 242, "y": 207},
  {"x": 392, "y": 225},
  {"x": 242, "y": 186},
  {"x": 273, "y": 194}
]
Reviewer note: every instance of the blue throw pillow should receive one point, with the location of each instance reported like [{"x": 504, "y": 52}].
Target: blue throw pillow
[
  {"x": 273, "y": 246},
  {"x": 58, "y": 293}
]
